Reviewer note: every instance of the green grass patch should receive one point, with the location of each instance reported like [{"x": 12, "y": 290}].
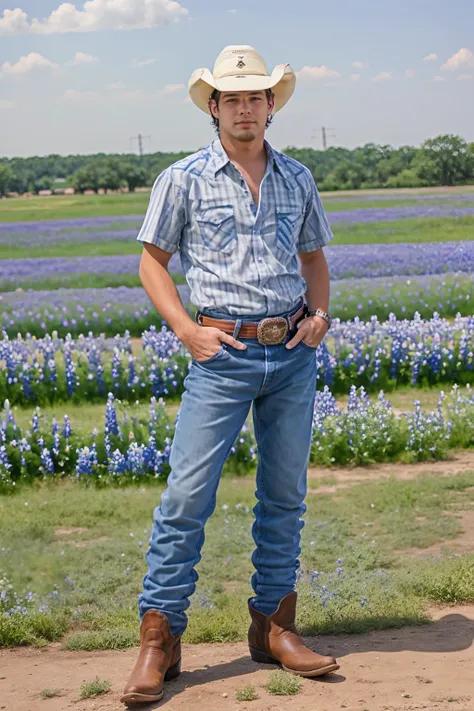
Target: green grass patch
[
  {"x": 416, "y": 229},
  {"x": 80, "y": 552},
  {"x": 97, "y": 687},
  {"x": 50, "y": 693},
  {"x": 281, "y": 683},
  {"x": 247, "y": 693},
  {"x": 81, "y": 281}
]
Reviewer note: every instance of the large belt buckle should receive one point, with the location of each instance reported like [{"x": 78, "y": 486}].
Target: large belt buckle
[{"x": 272, "y": 331}]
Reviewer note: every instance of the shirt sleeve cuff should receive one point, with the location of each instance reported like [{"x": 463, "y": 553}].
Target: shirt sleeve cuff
[{"x": 165, "y": 245}]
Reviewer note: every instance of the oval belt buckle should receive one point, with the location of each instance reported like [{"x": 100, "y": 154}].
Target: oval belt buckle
[{"x": 272, "y": 331}]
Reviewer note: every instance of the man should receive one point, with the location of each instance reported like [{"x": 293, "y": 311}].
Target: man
[{"x": 240, "y": 213}]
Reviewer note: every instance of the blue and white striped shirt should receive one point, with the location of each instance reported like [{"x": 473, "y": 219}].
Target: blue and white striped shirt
[{"x": 237, "y": 259}]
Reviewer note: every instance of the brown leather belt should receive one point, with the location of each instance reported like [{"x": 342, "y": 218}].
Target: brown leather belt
[{"x": 269, "y": 331}]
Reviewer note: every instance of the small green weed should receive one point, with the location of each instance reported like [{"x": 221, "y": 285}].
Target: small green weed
[
  {"x": 283, "y": 683},
  {"x": 94, "y": 688},
  {"x": 50, "y": 693},
  {"x": 247, "y": 693}
]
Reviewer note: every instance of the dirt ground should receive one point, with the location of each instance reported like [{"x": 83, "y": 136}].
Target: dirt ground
[{"x": 428, "y": 667}]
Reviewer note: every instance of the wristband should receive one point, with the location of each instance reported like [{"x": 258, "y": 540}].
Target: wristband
[{"x": 323, "y": 314}]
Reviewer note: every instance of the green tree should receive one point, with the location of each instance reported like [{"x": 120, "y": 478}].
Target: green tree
[
  {"x": 135, "y": 176},
  {"x": 6, "y": 177},
  {"x": 445, "y": 160}
]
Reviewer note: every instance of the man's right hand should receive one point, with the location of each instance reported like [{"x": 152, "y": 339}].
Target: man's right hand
[{"x": 204, "y": 342}]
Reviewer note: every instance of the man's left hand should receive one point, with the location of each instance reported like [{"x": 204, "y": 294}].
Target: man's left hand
[{"x": 311, "y": 330}]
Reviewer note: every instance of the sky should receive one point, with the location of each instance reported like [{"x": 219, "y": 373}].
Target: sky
[{"x": 81, "y": 78}]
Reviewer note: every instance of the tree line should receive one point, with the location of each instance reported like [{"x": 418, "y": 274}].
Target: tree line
[{"x": 443, "y": 160}]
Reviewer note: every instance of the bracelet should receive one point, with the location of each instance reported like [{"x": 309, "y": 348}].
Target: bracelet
[{"x": 323, "y": 314}]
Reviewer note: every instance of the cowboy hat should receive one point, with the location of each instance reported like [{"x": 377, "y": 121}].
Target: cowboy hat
[{"x": 240, "y": 68}]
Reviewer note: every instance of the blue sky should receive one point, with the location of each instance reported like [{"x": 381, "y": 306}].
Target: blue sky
[{"x": 71, "y": 82}]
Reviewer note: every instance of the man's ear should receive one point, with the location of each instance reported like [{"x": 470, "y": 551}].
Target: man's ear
[
  {"x": 214, "y": 108},
  {"x": 271, "y": 103}
]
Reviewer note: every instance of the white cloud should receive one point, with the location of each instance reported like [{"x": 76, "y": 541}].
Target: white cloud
[
  {"x": 438, "y": 78},
  {"x": 430, "y": 57},
  {"x": 28, "y": 63},
  {"x": 172, "y": 88},
  {"x": 409, "y": 74},
  {"x": 95, "y": 15},
  {"x": 321, "y": 72},
  {"x": 82, "y": 58},
  {"x": 114, "y": 93},
  {"x": 232, "y": 12},
  {"x": 355, "y": 77},
  {"x": 382, "y": 76},
  {"x": 464, "y": 59},
  {"x": 6, "y": 104},
  {"x": 144, "y": 62},
  {"x": 71, "y": 95},
  {"x": 464, "y": 77},
  {"x": 358, "y": 65}
]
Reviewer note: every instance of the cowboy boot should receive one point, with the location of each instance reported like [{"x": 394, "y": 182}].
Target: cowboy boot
[
  {"x": 159, "y": 660},
  {"x": 273, "y": 639}
]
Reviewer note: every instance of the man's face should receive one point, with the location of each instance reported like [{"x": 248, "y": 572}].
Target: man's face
[{"x": 242, "y": 114}]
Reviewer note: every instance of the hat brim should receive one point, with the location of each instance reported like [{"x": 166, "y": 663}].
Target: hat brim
[{"x": 282, "y": 82}]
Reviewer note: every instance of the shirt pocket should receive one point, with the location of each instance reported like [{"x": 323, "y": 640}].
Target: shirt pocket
[
  {"x": 216, "y": 222},
  {"x": 289, "y": 220}
]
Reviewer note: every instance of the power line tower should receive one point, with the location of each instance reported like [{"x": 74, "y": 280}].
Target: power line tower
[
  {"x": 325, "y": 135},
  {"x": 140, "y": 142}
]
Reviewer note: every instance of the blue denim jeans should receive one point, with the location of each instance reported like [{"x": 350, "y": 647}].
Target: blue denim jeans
[{"x": 280, "y": 384}]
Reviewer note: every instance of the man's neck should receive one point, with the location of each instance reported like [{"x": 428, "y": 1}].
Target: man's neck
[{"x": 244, "y": 153}]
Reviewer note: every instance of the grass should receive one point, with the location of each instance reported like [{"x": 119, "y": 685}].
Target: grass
[
  {"x": 247, "y": 693},
  {"x": 410, "y": 229},
  {"x": 282, "y": 683},
  {"x": 61, "y": 207},
  {"x": 50, "y": 693},
  {"x": 424, "y": 229},
  {"x": 81, "y": 552},
  {"x": 81, "y": 281},
  {"x": 97, "y": 687}
]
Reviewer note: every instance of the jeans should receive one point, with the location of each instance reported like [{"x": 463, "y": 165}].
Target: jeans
[{"x": 280, "y": 384}]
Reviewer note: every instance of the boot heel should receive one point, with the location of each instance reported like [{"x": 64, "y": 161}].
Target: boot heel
[
  {"x": 259, "y": 656},
  {"x": 173, "y": 671}
]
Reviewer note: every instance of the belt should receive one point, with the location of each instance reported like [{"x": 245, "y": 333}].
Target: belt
[{"x": 269, "y": 331}]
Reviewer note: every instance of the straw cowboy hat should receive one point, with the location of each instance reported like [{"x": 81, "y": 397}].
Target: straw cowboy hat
[{"x": 240, "y": 68}]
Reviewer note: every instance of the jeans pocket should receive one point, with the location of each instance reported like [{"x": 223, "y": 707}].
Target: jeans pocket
[
  {"x": 310, "y": 348},
  {"x": 222, "y": 350},
  {"x": 217, "y": 227}
]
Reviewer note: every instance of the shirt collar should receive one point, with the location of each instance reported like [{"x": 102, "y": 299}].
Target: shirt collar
[{"x": 219, "y": 157}]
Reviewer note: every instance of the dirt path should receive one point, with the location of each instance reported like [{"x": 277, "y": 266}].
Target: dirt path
[
  {"x": 459, "y": 461},
  {"x": 429, "y": 667}
]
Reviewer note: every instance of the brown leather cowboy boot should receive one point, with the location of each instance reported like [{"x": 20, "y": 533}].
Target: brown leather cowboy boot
[
  {"x": 273, "y": 639},
  {"x": 159, "y": 660}
]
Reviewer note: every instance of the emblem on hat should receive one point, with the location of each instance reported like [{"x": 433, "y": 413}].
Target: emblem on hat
[{"x": 241, "y": 63}]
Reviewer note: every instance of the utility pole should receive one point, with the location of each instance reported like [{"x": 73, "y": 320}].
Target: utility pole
[
  {"x": 140, "y": 142},
  {"x": 323, "y": 131},
  {"x": 325, "y": 135}
]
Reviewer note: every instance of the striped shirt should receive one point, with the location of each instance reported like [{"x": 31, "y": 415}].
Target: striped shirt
[{"x": 237, "y": 259}]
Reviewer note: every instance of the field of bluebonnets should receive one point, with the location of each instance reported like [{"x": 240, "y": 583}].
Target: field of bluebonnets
[{"x": 90, "y": 383}]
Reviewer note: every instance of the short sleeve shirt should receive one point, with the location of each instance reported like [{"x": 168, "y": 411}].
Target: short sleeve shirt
[{"x": 237, "y": 258}]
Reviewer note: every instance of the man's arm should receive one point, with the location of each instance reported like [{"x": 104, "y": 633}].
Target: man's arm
[
  {"x": 315, "y": 272},
  {"x": 162, "y": 290}
]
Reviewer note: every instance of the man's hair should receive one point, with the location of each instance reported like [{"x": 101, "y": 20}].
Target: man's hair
[{"x": 216, "y": 95}]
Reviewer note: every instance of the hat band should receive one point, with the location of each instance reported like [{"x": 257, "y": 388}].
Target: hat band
[{"x": 237, "y": 74}]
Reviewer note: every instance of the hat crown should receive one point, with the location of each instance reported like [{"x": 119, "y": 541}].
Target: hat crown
[{"x": 240, "y": 59}]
